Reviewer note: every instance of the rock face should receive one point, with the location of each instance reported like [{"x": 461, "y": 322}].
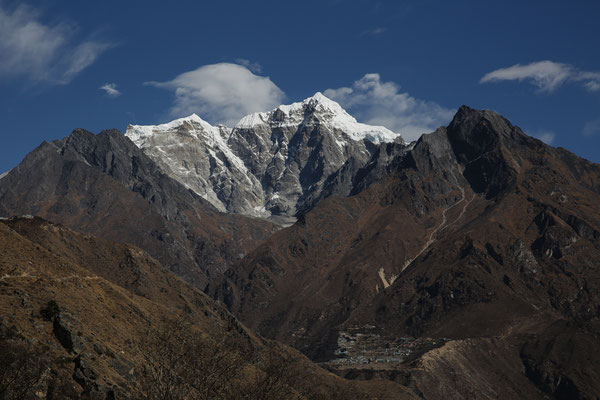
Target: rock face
[
  {"x": 63, "y": 331},
  {"x": 197, "y": 154},
  {"x": 270, "y": 164},
  {"x": 105, "y": 185}
]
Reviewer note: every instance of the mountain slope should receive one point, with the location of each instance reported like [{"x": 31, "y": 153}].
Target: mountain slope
[
  {"x": 270, "y": 163},
  {"x": 462, "y": 265},
  {"x": 109, "y": 300},
  {"x": 475, "y": 231},
  {"x": 104, "y": 185}
]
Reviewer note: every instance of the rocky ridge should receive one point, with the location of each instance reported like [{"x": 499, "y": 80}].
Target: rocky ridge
[{"x": 105, "y": 185}]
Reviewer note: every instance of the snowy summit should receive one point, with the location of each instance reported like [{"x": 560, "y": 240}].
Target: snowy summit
[
  {"x": 271, "y": 163},
  {"x": 327, "y": 111}
]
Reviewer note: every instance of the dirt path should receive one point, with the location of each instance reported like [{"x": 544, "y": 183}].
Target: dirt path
[
  {"x": 462, "y": 213},
  {"x": 24, "y": 275},
  {"x": 441, "y": 226}
]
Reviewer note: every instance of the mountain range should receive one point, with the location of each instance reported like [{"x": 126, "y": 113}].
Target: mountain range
[
  {"x": 464, "y": 264},
  {"x": 270, "y": 164}
]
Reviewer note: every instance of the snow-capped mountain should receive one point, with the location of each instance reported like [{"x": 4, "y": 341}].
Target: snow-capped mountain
[
  {"x": 329, "y": 113},
  {"x": 270, "y": 163},
  {"x": 197, "y": 154}
]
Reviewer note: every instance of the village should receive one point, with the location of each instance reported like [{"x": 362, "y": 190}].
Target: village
[{"x": 363, "y": 347}]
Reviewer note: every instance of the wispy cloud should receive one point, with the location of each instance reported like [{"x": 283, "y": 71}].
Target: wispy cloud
[
  {"x": 545, "y": 136},
  {"x": 43, "y": 52},
  {"x": 547, "y": 76},
  {"x": 591, "y": 128},
  {"x": 382, "y": 103},
  {"x": 592, "y": 86},
  {"x": 110, "y": 89},
  {"x": 252, "y": 66},
  {"x": 221, "y": 93},
  {"x": 374, "y": 32}
]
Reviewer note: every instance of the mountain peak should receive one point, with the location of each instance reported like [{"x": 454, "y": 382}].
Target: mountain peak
[
  {"x": 175, "y": 123},
  {"x": 320, "y": 98},
  {"x": 294, "y": 113},
  {"x": 316, "y": 103},
  {"x": 140, "y": 133},
  {"x": 475, "y": 127},
  {"x": 325, "y": 112}
]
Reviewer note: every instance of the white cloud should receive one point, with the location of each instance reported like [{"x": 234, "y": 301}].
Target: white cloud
[
  {"x": 592, "y": 128},
  {"x": 42, "y": 52},
  {"x": 544, "y": 135},
  {"x": 546, "y": 75},
  {"x": 110, "y": 89},
  {"x": 592, "y": 86},
  {"x": 381, "y": 103},
  {"x": 221, "y": 93},
  {"x": 252, "y": 66}
]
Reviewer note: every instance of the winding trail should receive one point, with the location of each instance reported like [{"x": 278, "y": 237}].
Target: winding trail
[
  {"x": 442, "y": 225},
  {"x": 25, "y": 275},
  {"x": 432, "y": 238},
  {"x": 462, "y": 213}
]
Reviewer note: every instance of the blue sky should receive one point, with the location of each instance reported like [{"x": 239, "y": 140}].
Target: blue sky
[{"x": 404, "y": 64}]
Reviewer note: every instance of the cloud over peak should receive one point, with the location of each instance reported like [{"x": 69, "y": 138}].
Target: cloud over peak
[
  {"x": 223, "y": 93},
  {"x": 42, "y": 52},
  {"x": 547, "y": 76},
  {"x": 252, "y": 66},
  {"x": 376, "y": 102}
]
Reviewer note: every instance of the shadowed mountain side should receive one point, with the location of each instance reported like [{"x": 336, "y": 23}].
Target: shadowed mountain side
[
  {"x": 340, "y": 254},
  {"x": 104, "y": 185},
  {"x": 477, "y": 231}
]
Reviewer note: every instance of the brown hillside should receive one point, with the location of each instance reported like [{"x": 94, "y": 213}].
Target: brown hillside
[
  {"x": 479, "y": 234},
  {"x": 111, "y": 297}
]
